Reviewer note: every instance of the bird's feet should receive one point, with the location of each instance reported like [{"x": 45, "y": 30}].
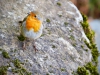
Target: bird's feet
[
  {"x": 24, "y": 46},
  {"x": 35, "y": 48}
]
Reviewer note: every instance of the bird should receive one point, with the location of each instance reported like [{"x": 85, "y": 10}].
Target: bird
[{"x": 31, "y": 27}]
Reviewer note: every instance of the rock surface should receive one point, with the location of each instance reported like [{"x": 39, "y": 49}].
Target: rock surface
[{"x": 61, "y": 48}]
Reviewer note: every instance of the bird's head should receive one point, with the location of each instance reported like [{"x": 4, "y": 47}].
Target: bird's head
[
  {"x": 36, "y": 14},
  {"x": 32, "y": 14},
  {"x": 34, "y": 21}
]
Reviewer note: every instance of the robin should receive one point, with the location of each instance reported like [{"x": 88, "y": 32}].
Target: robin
[{"x": 31, "y": 27}]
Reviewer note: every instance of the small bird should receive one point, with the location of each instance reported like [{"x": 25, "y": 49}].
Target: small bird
[{"x": 31, "y": 27}]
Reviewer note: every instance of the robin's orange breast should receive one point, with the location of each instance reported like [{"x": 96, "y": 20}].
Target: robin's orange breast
[{"x": 33, "y": 23}]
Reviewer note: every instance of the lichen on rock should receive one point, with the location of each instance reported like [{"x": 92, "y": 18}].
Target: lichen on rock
[{"x": 60, "y": 48}]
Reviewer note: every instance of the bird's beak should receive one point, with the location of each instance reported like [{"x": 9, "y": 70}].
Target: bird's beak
[{"x": 28, "y": 13}]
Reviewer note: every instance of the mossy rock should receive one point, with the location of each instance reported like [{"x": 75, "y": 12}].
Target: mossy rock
[
  {"x": 58, "y": 3},
  {"x": 3, "y": 70},
  {"x": 17, "y": 63},
  {"x": 48, "y": 20},
  {"x": 5, "y": 54},
  {"x": 82, "y": 71},
  {"x": 21, "y": 37},
  {"x": 90, "y": 67}
]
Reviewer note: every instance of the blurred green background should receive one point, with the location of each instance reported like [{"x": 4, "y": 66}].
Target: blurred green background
[
  {"x": 94, "y": 8},
  {"x": 91, "y": 8}
]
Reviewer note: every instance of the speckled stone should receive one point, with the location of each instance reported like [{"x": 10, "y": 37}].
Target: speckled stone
[{"x": 60, "y": 49}]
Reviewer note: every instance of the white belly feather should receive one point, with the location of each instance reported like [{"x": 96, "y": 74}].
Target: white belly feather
[{"x": 30, "y": 33}]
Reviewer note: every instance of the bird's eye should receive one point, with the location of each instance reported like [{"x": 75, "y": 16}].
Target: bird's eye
[{"x": 35, "y": 16}]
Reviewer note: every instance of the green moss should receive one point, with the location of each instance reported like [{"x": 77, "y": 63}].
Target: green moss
[
  {"x": 71, "y": 30},
  {"x": 26, "y": 60},
  {"x": 72, "y": 37},
  {"x": 51, "y": 66},
  {"x": 17, "y": 63},
  {"x": 88, "y": 69},
  {"x": 90, "y": 34},
  {"x": 84, "y": 18},
  {"x": 82, "y": 46},
  {"x": 15, "y": 70},
  {"x": 53, "y": 46},
  {"x": 3, "y": 70},
  {"x": 91, "y": 66},
  {"x": 24, "y": 72},
  {"x": 86, "y": 49},
  {"x": 60, "y": 15},
  {"x": 1, "y": 49},
  {"x": 21, "y": 37},
  {"x": 63, "y": 69},
  {"x": 48, "y": 20},
  {"x": 82, "y": 71},
  {"x": 19, "y": 69},
  {"x": 88, "y": 45},
  {"x": 42, "y": 35},
  {"x": 59, "y": 4},
  {"x": 5, "y": 54},
  {"x": 74, "y": 44},
  {"x": 65, "y": 23},
  {"x": 95, "y": 55},
  {"x": 47, "y": 74}
]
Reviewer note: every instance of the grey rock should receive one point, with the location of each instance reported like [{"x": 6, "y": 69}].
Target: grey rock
[{"x": 59, "y": 47}]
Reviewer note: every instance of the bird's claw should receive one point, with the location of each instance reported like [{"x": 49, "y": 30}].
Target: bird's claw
[
  {"x": 35, "y": 48},
  {"x": 24, "y": 48}
]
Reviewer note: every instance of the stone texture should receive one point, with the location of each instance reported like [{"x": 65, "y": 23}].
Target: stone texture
[{"x": 60, "y": 46}]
